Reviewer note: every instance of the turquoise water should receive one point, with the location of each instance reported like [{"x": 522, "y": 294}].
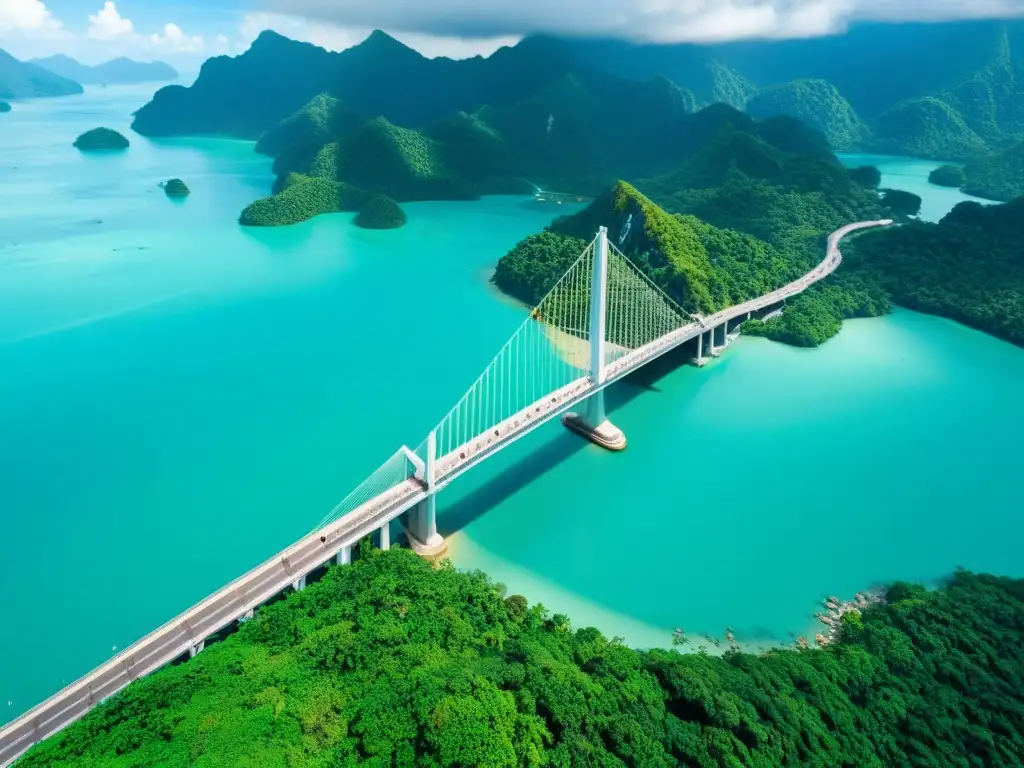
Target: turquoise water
[
  {"x": 911, "y": 174},
  {"x": 180, "y": 398}
]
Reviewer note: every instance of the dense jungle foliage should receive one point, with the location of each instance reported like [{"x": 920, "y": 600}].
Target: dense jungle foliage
[
  {"x": 380, "y": 213},
  {"x": 392, "y": 662},
  {"x": 303, "y": 198},
  {"x": 999, "y": 177},
  {"x": 747, "y": 211},
  {"x": 968, "y": 267},
  {"x": 948, "y": 176}
]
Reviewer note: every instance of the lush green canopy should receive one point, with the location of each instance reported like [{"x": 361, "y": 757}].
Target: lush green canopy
[
  {"x": 947, "y": 176},
  {"x": 390, "y": 662},
  {"x": 101, "y": 139},
  {"x": 380, "y": 213}
]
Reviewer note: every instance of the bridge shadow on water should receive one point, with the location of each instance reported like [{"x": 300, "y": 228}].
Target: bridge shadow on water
[{"x": 559, "y": 448}]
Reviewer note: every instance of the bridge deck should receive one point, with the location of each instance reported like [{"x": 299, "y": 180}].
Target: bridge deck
[{"x": 245, "y": 593}]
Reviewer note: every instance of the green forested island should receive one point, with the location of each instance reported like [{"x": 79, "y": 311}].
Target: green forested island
[
  {"x": 390, "y": 661},
  {"x": 380, "y": 213},
  {"x": 101, "y": 139},
  {"x": 176, "y": 188},
  {"x": 948, "y": 176}
]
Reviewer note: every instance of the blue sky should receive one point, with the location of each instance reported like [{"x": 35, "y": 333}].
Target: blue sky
[{"x": 185, "y": 32}]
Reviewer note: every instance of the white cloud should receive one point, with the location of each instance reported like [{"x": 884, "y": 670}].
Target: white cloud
[
  {"x": 28, "y": 18},
  {"x": 174, "y": 39},
  {"x": 108, "y": 24},
  {"x": 652, "y": 20},
  {"x": 337, "y": 38}
]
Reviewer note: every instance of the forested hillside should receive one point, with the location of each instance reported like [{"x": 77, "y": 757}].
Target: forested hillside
[
  {"x": 999, "y": 177},
  {"x": 746, "y": 211},
  {"x": 948, "y": 91},
  {"x": 969, "y": 266},
  {"x": 391, "y": 662}
]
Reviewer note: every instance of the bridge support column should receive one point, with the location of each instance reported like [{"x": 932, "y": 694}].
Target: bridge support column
[
  {"x": 344, "y": 556},
  {"x": 699, "y": 360},
  {"x": 594, "y": 424},
  {"x": 421, "y": 525},
  {"x": 299, "y": 584},
  {"x": 385, "y": 536},
  {"x": 195, "y": 649},
  {"x": 247, "y": 616}
]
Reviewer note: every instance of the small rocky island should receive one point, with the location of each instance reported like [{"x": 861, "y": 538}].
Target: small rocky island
[
  {"x": 101, "y": 140},
  {"x": 175, "y": 188},
  {"x": 948, "y": 176},
  {"x": 4, "y": 107},
  {"x": 380, "y": 213}
]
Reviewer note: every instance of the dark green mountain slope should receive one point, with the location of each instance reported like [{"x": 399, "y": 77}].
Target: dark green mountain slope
[
  {"x": 391, "y": 662},
  {"x": 20, "y": 80},
  {"x": 997, "y": 177},
  {"x": 816, "y": 103},
  {"x": 577, "y": 134},
  {"x": 246, "y": 95}
]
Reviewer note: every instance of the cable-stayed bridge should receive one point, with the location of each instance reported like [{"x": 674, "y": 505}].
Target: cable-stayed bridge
[{"x": 601, "y": 321}]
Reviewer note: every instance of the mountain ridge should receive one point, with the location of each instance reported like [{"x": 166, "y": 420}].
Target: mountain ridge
[
  {"x": 120, "y": 70},
  {"x": 23, "y": 80}
]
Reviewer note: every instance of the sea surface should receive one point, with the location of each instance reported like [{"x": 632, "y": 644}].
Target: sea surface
[{"x": 180, "y": 398}]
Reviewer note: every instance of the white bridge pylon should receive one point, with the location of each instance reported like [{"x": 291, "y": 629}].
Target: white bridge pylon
[{"x": 602, "y": 309}]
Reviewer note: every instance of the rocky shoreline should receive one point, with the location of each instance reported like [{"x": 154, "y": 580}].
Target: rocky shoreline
[{"x": 835, "y": 609}]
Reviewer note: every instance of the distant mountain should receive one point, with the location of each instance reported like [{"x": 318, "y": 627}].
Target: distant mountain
[
  {"x": 961, "y": 96},
  {"x": 120, "y": 70},
  {"x": 817, "y": 103},
  {"x": 20, "y": 80},
  {"x": 947, "y": 91},
  {"x": 245, "y": 95}
]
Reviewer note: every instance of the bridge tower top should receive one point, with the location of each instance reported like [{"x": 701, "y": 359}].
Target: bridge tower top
[{"x": 598, "y": 306}]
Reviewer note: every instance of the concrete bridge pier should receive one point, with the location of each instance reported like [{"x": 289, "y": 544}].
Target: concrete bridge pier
[
  {"x": 700, "y": 360},
  {"x": 299, "y": 584},
  {"x": 197, "y": 648},
  {"x": 421, "y": 522},
  {"x": 344, "y": 556},
  {"x": 593, "y": 424}
]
